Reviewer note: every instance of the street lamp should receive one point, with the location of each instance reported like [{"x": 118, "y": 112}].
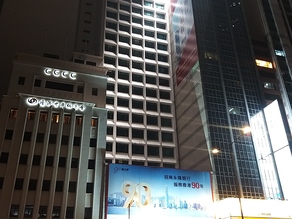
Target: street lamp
[{"x": 246, "y": 130}]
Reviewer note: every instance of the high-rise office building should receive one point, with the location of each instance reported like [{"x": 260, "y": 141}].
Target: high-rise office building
[
  {"x": 217, "y": 96},
  {"x": 141, "y": 119},
  {"x": 271, "y": 36}
]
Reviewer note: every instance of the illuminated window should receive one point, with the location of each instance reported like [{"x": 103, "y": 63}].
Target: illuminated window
[
  {"x": 79, "y": 120},
  {"x": 43, "y": 116},
  {"x": 30, "y": 115},
  {"x": 13, "y": 113},
  {"x": 28, "y": 211},
  {"x": 147, "y": 3},
  {"x": 159, "y": 6},
  {"x": 56, "y": 212},
  {"x": 263, "y": 63},
  {"x": 55, "y": 118},
  {"x": 211, "y": 55},
  {"x": 42, "y": 211},
  {"x": 149, "y": 13},
  {"x": 67, "y": 119},
  {"x": 14, "y": 209},
  {"x": 94, "y": 122},
  {"x": 279, "y": 53},
  {"x": 271, "y": 86}
]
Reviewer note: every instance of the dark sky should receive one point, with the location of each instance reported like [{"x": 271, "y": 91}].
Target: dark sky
[{"x": 35, "y": 27}]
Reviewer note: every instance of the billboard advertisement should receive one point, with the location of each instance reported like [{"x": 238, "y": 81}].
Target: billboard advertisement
[
  {"x": 273, "y": 152},
  {"x": 280, "y": 147},
  {"x": 151, "y": 192},
  {"x": 185, "y": 42}
]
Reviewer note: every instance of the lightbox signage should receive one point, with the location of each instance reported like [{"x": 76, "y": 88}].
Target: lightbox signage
[
  {"x": 147, "y": 192},
  {"x": 34, "y": 101},
  {"x": 60, "y": 73}
]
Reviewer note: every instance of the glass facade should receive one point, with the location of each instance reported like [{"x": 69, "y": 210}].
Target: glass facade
[
  {"x": 279, "y": 38},
  {"x": 231, "y": 94}
]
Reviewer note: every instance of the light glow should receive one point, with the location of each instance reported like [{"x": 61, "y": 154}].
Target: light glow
[
  {"x": 33, "y": 101},
  {"x": 246, "y": 130},
  {"x": 262, "y": 63},
  {"x": 60, "y": 73},
  {"x": 215, "y": 151}
]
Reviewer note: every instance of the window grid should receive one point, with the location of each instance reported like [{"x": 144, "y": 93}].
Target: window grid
[{"x": 145, "y": 51}]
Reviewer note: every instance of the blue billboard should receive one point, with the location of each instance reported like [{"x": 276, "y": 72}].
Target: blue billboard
[{"x": 150, "y": 192}]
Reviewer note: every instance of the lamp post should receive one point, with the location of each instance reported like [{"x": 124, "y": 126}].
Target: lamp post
[
  {"x": 245, "y": 130},
  {"x": 237, "y": 177},
  {"x": 129, "y": 208}
]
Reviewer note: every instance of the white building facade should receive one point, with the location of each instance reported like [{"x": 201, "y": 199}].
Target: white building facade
[
  {"x": 52, "y": 139},
  {"x": 140, "y": 99}
]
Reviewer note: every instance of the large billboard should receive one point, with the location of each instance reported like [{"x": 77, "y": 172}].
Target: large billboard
[
  {"x": 273, "y": 152},
  {"x": 185, "y": 42},
  {"x": 150, "y": 192}
]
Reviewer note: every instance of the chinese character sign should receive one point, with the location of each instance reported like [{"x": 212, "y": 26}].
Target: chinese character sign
[{"x": 147, "y": 192}]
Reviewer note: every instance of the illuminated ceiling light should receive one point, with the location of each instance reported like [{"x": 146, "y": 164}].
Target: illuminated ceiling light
[{"x": 262, "y": 63}]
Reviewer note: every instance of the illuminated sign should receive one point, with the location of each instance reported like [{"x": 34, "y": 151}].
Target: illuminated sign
[
  {"x": 33, "y": 101},
  {"x": 146, "y": 191},
  {"x": 60, "y": 73},
  {"x": 271, "y": 208}
]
